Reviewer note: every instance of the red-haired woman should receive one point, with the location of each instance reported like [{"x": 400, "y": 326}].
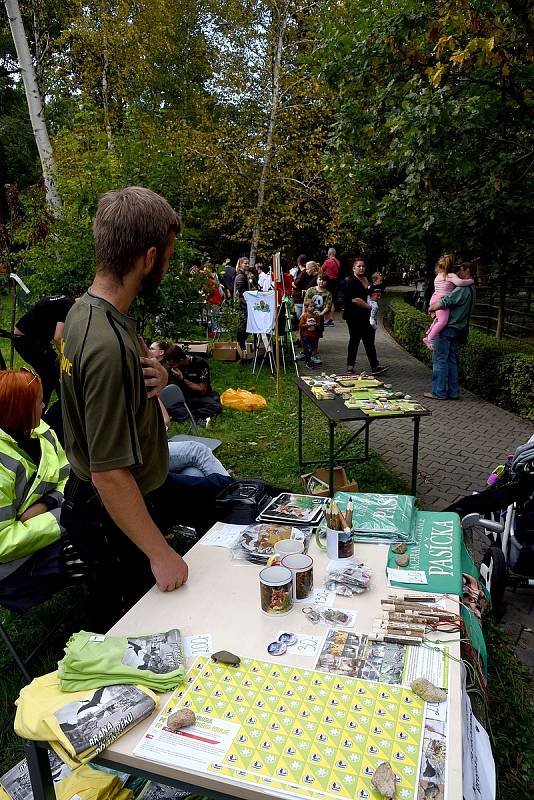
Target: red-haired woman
[{"x": 33, "y": 473}]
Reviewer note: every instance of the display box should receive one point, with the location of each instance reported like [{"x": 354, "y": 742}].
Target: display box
[
  {"x": 199, "y": 348},
  {"x": 226, "y": 351},
  {"x": 317, "y": 482}
]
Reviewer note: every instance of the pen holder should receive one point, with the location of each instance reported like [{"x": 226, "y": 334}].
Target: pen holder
[{"x": 339, "y": 545}]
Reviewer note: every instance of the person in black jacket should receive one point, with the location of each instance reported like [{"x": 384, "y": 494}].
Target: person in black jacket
[
  {"x": 192, "y": 375},
  {"x": 35, "y": 335},
  {"x": 357, "y": 316}
]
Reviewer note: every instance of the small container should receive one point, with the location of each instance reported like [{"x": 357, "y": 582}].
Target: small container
[
  {"x": 301, "y": 567},
  {"x": 276, "y": 591},
  {"x": 339, "y": 545}
]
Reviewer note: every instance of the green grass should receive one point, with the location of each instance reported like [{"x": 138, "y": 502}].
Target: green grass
[{"x": 511, "y": 716}]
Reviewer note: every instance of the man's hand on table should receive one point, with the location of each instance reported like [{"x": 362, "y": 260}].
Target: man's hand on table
[
  {"x": 154, "y": 374},
  {"x": 169, "y": 570}
]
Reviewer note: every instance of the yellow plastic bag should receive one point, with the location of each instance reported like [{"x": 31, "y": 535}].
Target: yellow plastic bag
[{"x": 242, "y": 400}]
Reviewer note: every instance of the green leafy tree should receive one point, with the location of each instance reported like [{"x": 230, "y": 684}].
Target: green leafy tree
[{"x": 432, "y": 143}]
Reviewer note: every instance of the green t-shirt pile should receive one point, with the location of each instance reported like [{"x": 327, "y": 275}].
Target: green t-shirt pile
[
  {"x": 94, "y": 660},
  {"x": 386, "y": 518}
]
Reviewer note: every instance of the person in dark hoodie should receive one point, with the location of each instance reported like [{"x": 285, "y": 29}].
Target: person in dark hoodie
[{"x": 228, "y": 279}]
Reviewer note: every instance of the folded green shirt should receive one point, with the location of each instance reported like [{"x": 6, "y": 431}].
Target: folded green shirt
[{"x": 93, "y": 660}]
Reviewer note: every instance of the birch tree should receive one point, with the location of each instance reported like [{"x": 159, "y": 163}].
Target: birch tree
[
  {"x": 280, "y": 21},
  {"x": 35, "y": 104}
]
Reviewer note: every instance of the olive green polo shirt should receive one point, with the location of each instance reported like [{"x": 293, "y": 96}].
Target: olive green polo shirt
[{"x": 109, "y": 421}]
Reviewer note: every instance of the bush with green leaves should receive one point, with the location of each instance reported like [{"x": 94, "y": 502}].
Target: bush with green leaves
[{"x": 499, "y": 370}]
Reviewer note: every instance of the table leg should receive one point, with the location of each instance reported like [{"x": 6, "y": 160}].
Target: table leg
[
  {"x": 331, "y": 426},
  {"x": 40, "y": 772},
  {"x": 415, "y": 453},
  {"x": 300, "y": 430}
]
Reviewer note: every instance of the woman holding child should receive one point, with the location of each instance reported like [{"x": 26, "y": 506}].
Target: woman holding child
[{"x": 356, "y": 314}]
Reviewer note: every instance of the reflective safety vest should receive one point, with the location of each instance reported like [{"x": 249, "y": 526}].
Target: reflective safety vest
[{"x": 23, "y": 483}]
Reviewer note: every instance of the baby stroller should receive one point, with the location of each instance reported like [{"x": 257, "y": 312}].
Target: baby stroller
[{"x": 505, "y": 513}]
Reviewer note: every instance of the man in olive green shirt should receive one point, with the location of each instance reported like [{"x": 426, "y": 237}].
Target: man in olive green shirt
[{"x": 114, "y": 430}]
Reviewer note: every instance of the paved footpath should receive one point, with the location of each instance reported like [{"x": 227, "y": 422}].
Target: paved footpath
[{"x": 459, "y": 446}]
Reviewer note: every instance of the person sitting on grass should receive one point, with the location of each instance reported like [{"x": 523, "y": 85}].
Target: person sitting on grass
[
  {"x": 158, "y": 350},
  {"x": 309, "y": 325},
  {"x": 192, "y": 375}
]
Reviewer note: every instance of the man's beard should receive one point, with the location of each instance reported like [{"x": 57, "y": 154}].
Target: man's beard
[{"x": 152, "y": 281}]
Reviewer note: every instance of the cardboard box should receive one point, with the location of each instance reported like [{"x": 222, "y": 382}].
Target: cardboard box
[
  {"x": 226, "y": 351},
  {"x": 314, "y": 480},
  {"x": 200, "y": 348}
]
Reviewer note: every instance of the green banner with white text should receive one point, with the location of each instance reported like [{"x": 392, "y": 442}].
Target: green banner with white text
[{"x": 437, "y": 552}]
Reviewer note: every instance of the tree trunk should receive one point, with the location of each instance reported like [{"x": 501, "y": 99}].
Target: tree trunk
[
  {"x": 275, "y": 100},
  {"x": 35, "y": 106}
]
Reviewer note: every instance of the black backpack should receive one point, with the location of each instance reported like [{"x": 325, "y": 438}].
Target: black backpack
[{"x": 242, "y": 501}]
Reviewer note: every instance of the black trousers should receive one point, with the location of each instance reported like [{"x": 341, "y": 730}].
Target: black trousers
[
  {"x": 361, "y": 331},
  {"x": 118, "y": 572},
  {"x": 242, "y": 334},
  {"x": 41, "y": 576},
  {"x": 44, "y": 359},
  {"x": 200, "y": 407}
]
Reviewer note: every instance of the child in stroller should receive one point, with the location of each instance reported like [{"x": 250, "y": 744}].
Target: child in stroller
[{"x": 505, "y": 511}]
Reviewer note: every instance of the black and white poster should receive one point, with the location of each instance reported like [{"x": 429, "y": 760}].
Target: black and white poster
[{"x": 99, "y": 719}]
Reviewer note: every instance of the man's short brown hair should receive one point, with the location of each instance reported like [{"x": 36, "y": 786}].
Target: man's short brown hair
[{"x": 127, "y": 223}]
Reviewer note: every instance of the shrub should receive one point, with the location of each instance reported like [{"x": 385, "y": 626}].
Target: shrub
[{"x": 498, "y": 370}]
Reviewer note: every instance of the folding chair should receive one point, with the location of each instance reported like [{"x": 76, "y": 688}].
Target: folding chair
[
  {"x": 23, "y": 661},
  {"x": 172, "y": 396},
  {"x": 71, "y": 578}
]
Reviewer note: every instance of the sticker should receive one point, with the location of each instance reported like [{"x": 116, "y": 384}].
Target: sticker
[{"x": 97, "y": 637}]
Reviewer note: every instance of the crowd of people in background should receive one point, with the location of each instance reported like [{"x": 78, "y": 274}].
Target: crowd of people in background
[{"x": 315, "y": 291}]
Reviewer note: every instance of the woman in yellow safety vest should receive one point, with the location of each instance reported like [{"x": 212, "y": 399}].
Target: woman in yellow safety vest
[{"x": 33, "y": 473}]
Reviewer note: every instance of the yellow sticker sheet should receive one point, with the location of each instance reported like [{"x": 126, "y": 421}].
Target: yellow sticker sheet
[{"x": 303, "y": 732}]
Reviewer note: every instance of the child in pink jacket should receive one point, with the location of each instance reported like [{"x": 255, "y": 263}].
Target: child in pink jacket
[{"x": 445, "y": 281}]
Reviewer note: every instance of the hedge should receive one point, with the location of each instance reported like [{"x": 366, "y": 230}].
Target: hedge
[{"x": 498, "y": 370}]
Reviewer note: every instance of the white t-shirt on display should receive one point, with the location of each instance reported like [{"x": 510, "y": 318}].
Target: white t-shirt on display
[{"x": 260, "y": 311}]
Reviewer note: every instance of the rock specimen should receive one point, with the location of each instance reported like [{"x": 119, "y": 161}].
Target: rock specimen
[
  {"x": 399, "y": 548},
  {"x": 384, "y": 780},
  {"x": 181, "y": 719},
  {"x": 427, "y": 691},
  {"x": 402, "y": 560},
  {"x": 225, "y": 657}
]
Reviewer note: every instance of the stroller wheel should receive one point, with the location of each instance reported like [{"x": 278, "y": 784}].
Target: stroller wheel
[{"x": 493, "y": 575}]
